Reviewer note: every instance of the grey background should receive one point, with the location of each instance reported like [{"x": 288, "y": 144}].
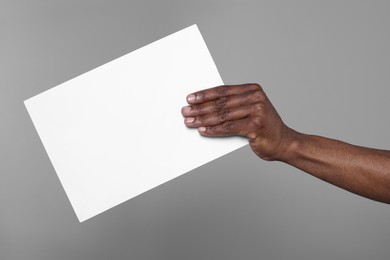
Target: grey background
[{"x": 325, "y": 66}]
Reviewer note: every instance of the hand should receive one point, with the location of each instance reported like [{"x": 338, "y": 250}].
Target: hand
[{"x": 241, "y": 110}]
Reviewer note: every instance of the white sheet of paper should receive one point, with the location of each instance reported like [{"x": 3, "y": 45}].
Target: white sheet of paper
[{"x": 117, "y": 130}]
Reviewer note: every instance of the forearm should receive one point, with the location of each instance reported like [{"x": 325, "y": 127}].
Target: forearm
[{"x": 360, "y": 170}]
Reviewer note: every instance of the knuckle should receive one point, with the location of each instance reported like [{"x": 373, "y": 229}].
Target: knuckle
[
  {"x": 212, "y": 129},
  {"x": 200, "y": 95},
  {"x": 223, "y": 114},
  {"x": 256, "y": 123},
  {"x": 228, "y": 126},
  {"x": 251, "y": 135},
  {"x": 222, "y": 91},
  {"x": 200, "y": 119},
  {"x": 198, "y": 109},
  {"x": 258, "y": 86},
  {"x": 259, "y": 95},
  {"x": 257, "y": 107},
  {"x": 220, "y": 102},
  {"x": 255, "y": 86}
]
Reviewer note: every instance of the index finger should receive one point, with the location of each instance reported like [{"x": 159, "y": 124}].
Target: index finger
[{"x": 220, "y": 91}]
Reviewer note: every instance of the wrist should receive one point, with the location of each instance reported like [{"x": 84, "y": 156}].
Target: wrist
[{"x": 293, "y": 144}]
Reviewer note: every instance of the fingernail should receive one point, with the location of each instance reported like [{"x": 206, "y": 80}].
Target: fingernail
[
  {"x": 191, "y": 98},
  {"x": 202, "y": 129},
  {"x": 186, "y": 110},
  {"x": 190, "y": 119}
]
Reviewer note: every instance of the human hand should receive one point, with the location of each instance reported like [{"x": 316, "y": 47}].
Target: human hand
[{"x": 242, "y": 110}]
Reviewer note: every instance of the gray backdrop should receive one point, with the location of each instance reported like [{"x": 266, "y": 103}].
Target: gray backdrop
[{"x": 325, "y": 66}]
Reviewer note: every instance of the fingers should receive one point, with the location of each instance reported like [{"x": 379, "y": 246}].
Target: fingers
[
  {"x": 225, "y": 110},
  {"x": 227, "y": 128},
  {"x": 221, "y": 103},
  {"x": 220, "y": 91},
  {"x": 215, "y": 118}
]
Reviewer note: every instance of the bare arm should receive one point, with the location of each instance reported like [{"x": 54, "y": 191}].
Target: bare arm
[{"x": 245, "y": 110}]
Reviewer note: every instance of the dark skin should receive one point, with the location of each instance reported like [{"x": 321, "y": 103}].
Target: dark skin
[{"x": 245, "y": 110}]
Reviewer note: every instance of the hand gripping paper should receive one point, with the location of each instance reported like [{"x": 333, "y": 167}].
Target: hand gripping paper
[{"x": 117, "y": 130}]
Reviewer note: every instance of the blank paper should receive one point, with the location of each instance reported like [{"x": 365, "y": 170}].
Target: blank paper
[{"x": 117, "y": 131}]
